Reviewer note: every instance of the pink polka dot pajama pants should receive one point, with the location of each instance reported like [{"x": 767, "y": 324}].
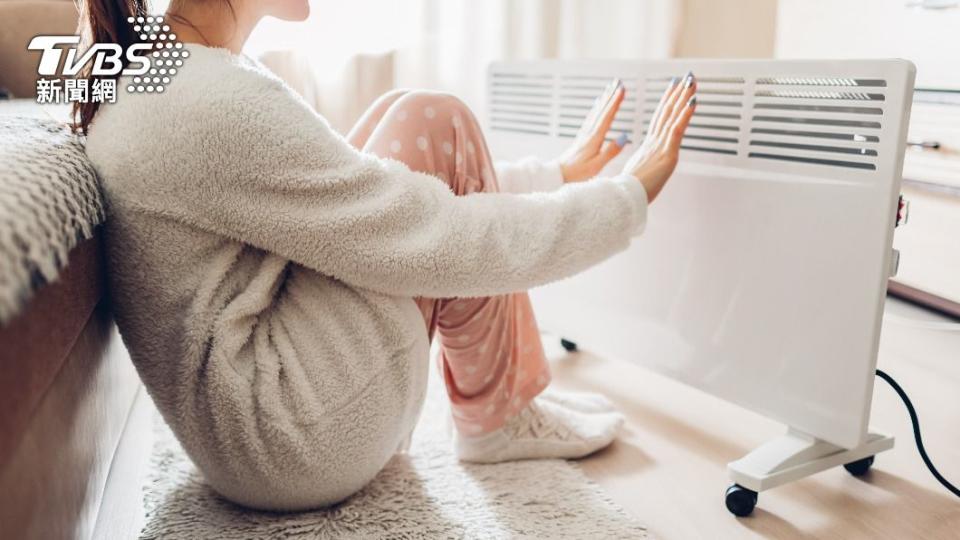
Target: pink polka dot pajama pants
[{"x": 491, "y": 357}]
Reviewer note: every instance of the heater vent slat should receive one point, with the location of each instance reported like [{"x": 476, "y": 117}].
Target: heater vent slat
[
  {"x": 502, "y": 75},
  {"x": 847, "y": 141},
  {"x": 653, "y": 100},
  {"x": 856, "y": 137},
  {"x": 728, "y": 151},
  {"x": 521, "y": 92},
  {"x": 583, "y": 108},
  {"x": 527, "y": 121},
  {"x": 518, "y": 129},
  {"x": 816, "y": 147},
  {"x": 604, "y": 79},
  {"x": 819, "y": 108},
  {"x": 716, "y": 125},
  {"x": 814, "y": 161},
  {"x": 820, "y": 81},
  {"x": 544, "y": 106},
  {"x": 708, "y": 146},
  {"x": 817, "y": 121},
  {"x": 702, "y": 79},
  {"x": 580, "y": 115},
  {"x": 820, "y": 121},
  {"x": 535, "y": 85},
  {"x": 514, "y": 111},
  {"x": 838, "y": 95},
  {"x": 521, "y": 102},
  {"x": 724, "y": 116},
  {"x": 657, "y": 90},
  {"x": 577, "y": 96},
  {"x": 575, "y": 126}
]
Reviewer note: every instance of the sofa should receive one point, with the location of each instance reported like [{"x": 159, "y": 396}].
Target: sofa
[{"x": 75, "y": 421}]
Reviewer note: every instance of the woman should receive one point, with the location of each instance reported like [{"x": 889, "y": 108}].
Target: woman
[{"x": 278, "y": 285}]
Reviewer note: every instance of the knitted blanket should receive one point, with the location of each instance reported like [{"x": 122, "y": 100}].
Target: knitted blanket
[{"x": 49, "y": 202}]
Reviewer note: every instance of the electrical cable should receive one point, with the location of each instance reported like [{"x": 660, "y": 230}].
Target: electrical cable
[
  {"x": 942, "y": 326},
  {"x": 916, "y": 432}
]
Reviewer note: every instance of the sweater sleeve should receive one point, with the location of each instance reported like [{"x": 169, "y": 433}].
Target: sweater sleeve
[
  {"x": 528, "y": 175},
  {"x": 274, "y": 175}
]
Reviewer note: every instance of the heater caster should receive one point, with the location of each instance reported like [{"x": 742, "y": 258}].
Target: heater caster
[
  {"x": 860, "y": 466},
  {"x": 740, "y": 500},
  {"x": 568, "y": 345}
]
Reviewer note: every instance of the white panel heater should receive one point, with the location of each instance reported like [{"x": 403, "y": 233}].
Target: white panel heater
[{"x": 762, "y": 272}]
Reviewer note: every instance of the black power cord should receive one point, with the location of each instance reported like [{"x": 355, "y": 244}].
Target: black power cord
[{"x": 916, "y": 432}]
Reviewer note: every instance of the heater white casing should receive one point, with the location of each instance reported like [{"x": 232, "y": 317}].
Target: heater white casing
[{"x": 761, "y": 275}]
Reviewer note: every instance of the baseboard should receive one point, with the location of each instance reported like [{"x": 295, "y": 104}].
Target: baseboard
[{"x": 121, "y": 513}]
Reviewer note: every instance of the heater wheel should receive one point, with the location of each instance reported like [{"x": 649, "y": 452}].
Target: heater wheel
[
  {"x": 740, "y": 500},
  {"x": 568, "y": 345},
  {"x": 860, "y": 466}
]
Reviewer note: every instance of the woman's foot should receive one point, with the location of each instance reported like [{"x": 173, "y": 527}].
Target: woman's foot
[
  {"x": 585, "y": 402},
  {"x": 543, "y": 430}
]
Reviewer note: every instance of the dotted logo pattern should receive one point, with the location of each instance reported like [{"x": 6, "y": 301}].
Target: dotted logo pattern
[{"x": 167, "y": 56}]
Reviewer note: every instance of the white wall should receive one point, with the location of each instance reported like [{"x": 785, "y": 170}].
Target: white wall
[
  {"x": 727, "y": 29},
  {"x": 874, "y": 29}
]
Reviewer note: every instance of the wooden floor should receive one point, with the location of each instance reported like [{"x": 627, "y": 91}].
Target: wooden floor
[{"x": 669, "y": 467}]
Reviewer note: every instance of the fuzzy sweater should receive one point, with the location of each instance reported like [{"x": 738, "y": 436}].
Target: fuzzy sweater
[{"x": 263, "y": 273}]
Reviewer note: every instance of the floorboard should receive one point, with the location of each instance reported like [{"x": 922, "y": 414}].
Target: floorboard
[{"x": 669, "y": 466}]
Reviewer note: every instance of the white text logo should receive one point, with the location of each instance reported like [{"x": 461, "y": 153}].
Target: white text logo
[{"x": 150, "y": 64}]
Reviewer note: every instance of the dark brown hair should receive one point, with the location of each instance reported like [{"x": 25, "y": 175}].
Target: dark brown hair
[{"x": 104, "y": 21}]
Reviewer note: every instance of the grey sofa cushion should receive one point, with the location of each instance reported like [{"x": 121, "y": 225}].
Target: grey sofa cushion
[{"x": 49, "y": 202}]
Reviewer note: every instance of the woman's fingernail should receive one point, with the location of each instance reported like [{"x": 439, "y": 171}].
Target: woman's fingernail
[
  {"x": 619, "y": 82},
  {"x": 674, "y": 81},
  {"x": 693, "y": 101},
  {"x": 622, "y": 140}
]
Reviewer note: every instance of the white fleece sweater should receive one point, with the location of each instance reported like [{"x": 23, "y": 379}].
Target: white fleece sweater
[{"x": 262, "y": 273}]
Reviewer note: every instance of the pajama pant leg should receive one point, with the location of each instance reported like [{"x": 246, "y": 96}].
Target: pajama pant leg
[{"x": 491, "y": 358}]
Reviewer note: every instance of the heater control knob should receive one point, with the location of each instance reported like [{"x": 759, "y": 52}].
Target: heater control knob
[{"x": 903, "y": 211}]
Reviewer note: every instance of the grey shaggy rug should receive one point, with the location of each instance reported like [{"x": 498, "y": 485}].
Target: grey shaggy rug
[{"x": 424, "y": 494}]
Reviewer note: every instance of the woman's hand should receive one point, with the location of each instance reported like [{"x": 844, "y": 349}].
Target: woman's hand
[
  {"x": 655, "y": 160},
  {"x": 590, "y": 153}
]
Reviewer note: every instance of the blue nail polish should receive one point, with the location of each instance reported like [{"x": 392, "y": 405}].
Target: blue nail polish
[
  {"x": 622, "y": 140},
  {"x": 674, "y": 80}
]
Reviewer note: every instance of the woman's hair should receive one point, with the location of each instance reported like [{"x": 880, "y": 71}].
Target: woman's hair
[{"x": 104, "y": 21}]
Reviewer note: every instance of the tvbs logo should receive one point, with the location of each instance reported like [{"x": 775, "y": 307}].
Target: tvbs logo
[
  {"x": 150, "y": 64},
  {"x": 107, "y": 57}
]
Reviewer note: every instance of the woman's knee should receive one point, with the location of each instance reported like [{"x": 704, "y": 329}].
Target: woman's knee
[
  {"x": 436, "y": 133},
  {"x": 388, "y": 98},
  {"x": 429, "y": 107}
]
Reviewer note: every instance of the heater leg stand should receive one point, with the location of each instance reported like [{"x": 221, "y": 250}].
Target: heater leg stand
[
  {"x": 793, "y": 456},
  {"x": 569, "y": 346}
]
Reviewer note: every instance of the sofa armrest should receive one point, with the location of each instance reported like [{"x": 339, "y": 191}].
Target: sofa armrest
[{"x": 20, "y": 21}]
